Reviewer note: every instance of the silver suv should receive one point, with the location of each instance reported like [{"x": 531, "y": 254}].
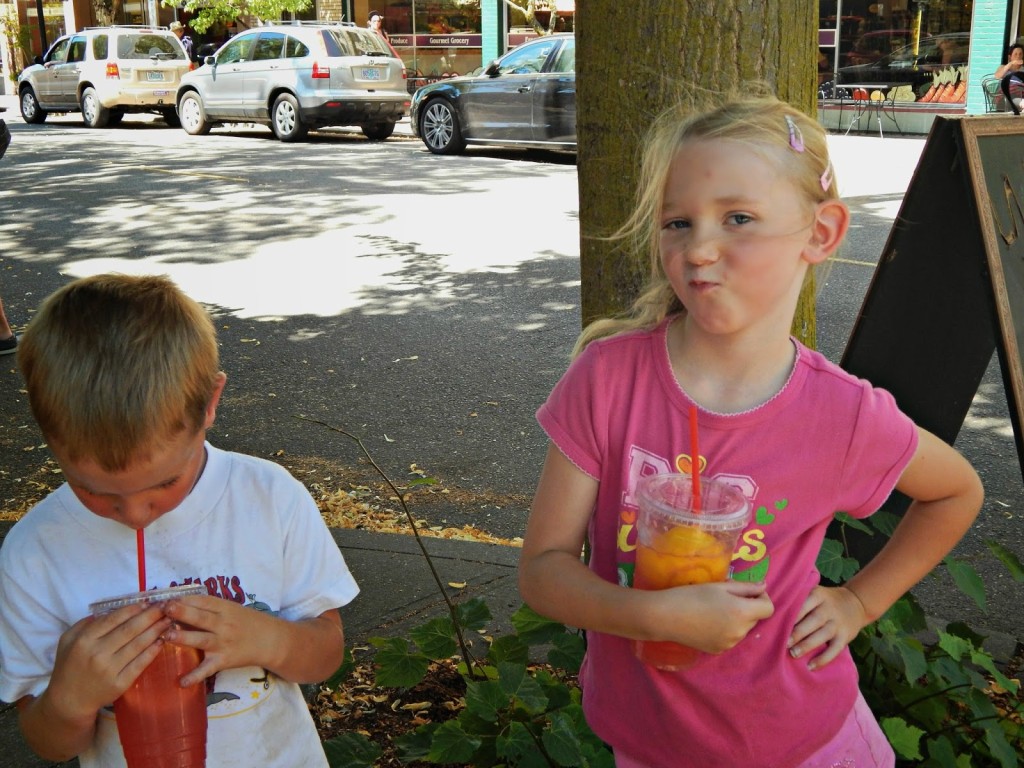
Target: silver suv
[
  {"x": 298, "y": 76},
  {"x": 105, "y": 72}
]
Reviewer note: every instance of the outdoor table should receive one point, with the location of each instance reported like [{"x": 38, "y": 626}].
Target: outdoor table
[{"x": 866, "y": 106}]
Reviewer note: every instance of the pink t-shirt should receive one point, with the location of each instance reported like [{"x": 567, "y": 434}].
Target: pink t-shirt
[{"x": 826, "y": 442}]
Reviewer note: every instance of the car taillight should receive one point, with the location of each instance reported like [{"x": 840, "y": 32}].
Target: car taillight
[
  {"x": 112, "y": 72},
  {"x": 321, "y": 70},
  {"x": 191, "y": 66},
  {"x": 405, "y": 73}
]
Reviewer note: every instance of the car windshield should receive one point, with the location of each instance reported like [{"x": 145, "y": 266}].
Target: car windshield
[
  {"x": 148, "y": 47},
  {"x": 528, "y": 59}
]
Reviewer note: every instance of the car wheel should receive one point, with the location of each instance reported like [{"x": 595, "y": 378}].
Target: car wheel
[
  {"x": 30, "y": 109},
  {"x": 378, "y": 131},
  {"x": 94, "y": 114},
  {"x": 116, "y": 116},
  {"x": 285, "y": 119},
  {"x": 170, "y": 117},
  {"x": 190, "y": 115},
  {"x": 440, "y": 129}
]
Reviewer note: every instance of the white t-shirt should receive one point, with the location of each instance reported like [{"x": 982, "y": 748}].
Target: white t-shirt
[{"x": 248, "y": 530}]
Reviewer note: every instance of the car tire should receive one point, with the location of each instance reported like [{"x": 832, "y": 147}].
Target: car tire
[
  {"x": 116, "y": 116},
  {"x": 94, "y": 114},
  {"x": 31, "y": 112},
  {"x": 191, "y": 116},
  {"x": 170, "y": 117},
  {"x": 285, "y": 119},
  {"x": 440, "y": 129},
  {"x": 378, "y": 131}
]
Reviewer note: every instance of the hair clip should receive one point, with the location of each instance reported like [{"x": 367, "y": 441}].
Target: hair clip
[
  {"x": 796, "y": 139},
  {"x": 826, "y": 177}
]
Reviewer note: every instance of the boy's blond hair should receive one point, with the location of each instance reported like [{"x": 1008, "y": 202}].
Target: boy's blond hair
[
  {"x": 116, "y": 364},
  {"x": 761, "y": 123}
]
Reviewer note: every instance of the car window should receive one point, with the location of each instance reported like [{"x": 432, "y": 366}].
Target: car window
[
  {"x": 99, "y": 47},
  {"x": 59, "y": 53},
  {"x": 369, "y": 42},
  {"x": 76, "y": 51},
  {"x": 236, "y": 50},
  {"x": 931, "y": 50},
  {"x": 148, "y": 46},
  {"x": 269, "y": 46},
  {"x": 295, "y": 48},
  {"x": 527, "y": 59},
  {"x": 566, "y": 61}
]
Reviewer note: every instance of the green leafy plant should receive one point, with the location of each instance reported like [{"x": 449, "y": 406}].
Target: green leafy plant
[
  {"x": 516, "y": 713},
  {"x": 938, "y": 694}
]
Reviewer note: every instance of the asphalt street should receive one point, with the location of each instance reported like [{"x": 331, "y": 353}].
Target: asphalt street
[{"x": 426, "y": 304}]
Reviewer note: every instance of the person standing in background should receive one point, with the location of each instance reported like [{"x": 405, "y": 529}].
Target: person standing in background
[
  {"x": 186, "y": 42},
  {"x": 376, "y": 23}
]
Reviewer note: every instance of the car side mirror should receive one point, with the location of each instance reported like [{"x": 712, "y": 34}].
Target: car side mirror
[
  {"x": 492, "y": 69},
  {"x": 210, "y": 61},
  {"x": 37, "y": 60}
]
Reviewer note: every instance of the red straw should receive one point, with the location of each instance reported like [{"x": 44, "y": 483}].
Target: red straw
[
  {"x": 694, "y": 460},
  {"x": 140, "y": 548}
]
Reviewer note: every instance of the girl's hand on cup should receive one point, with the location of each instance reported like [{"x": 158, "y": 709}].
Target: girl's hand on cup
[{"x": 714, "y": 617}]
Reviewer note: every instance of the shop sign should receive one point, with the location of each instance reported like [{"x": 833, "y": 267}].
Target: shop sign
[
  {"x": 949, "y": 286},
  {"x": 436, "y": 41}
]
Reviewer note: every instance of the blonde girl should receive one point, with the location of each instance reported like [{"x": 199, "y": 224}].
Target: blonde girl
[{"x": 735, "y": 205}]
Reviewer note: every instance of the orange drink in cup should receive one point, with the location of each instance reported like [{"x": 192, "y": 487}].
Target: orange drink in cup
[
  {"x": 683, "y": 540},
  {"x": 161, "y": 724}
]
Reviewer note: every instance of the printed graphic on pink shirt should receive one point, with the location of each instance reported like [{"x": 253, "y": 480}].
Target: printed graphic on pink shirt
[{"x": 750, "y": 561}]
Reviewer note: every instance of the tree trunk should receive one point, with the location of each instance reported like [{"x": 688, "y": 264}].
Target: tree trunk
[{"x": 635, "y": 59}]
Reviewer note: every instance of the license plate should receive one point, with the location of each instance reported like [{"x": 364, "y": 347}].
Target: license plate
[
  {"x": 371, "y": 73},
  {"x": 154, "y": 75}
]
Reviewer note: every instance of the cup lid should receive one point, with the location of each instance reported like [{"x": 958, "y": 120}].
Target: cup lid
[
  {"x": 724, "y": 506},
  {"x": 152, "y": 596}
]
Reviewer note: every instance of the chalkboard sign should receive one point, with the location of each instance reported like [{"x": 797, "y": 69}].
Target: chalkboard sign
[{"x": 949, "y": 286}]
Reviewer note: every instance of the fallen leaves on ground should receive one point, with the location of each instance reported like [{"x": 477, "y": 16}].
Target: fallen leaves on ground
[
  {"x": 363, "y": 508},
  {"x": 383, "y": 714}
]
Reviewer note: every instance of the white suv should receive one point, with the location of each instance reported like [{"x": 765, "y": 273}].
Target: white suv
[
  {"x": 105, "y": 72},
  {"x": 294, "y": 77}
]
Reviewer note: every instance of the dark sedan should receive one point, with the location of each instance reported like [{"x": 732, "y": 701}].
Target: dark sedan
[{"x": 525, "y": 98}]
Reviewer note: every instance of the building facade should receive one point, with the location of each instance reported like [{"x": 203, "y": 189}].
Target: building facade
[
  {"x": 435, "y": 38},
  {"x": 909, "y": 59}
]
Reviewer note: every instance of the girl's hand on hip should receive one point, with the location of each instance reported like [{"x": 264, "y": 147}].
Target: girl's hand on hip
[{"x": 829, "y": 619}]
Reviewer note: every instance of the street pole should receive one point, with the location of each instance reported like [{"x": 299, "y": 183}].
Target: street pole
[{"x": 41, "y": 21}]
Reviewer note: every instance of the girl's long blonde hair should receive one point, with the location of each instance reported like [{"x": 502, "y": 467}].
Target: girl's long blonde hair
[{"x": 759, "y": 123}]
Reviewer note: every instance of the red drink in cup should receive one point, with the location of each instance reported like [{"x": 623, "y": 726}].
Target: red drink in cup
[
  {"x": 161, "y": 724},
  {"x": 678, "y": 545}
]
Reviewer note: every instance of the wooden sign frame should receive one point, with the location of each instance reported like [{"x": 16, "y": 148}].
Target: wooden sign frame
[{"x": 949, "y": 286}]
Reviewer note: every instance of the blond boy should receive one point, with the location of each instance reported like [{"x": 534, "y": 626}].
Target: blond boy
[{"x": 123, "y": 378}]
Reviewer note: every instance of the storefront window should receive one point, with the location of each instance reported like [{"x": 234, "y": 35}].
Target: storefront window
[
  {"x": 442, "y": 38},
  {"x": 916, "y": 50},
  {"x": 435, "y": 38}
]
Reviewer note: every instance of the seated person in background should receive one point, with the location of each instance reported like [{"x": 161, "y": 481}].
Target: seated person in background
[
  {"x": 1012, "y": 77},
  {"x": 1014, "y": 61}
]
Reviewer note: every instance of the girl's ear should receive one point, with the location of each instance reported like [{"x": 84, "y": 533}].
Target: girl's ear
[{"x": 831, "y": 220}]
